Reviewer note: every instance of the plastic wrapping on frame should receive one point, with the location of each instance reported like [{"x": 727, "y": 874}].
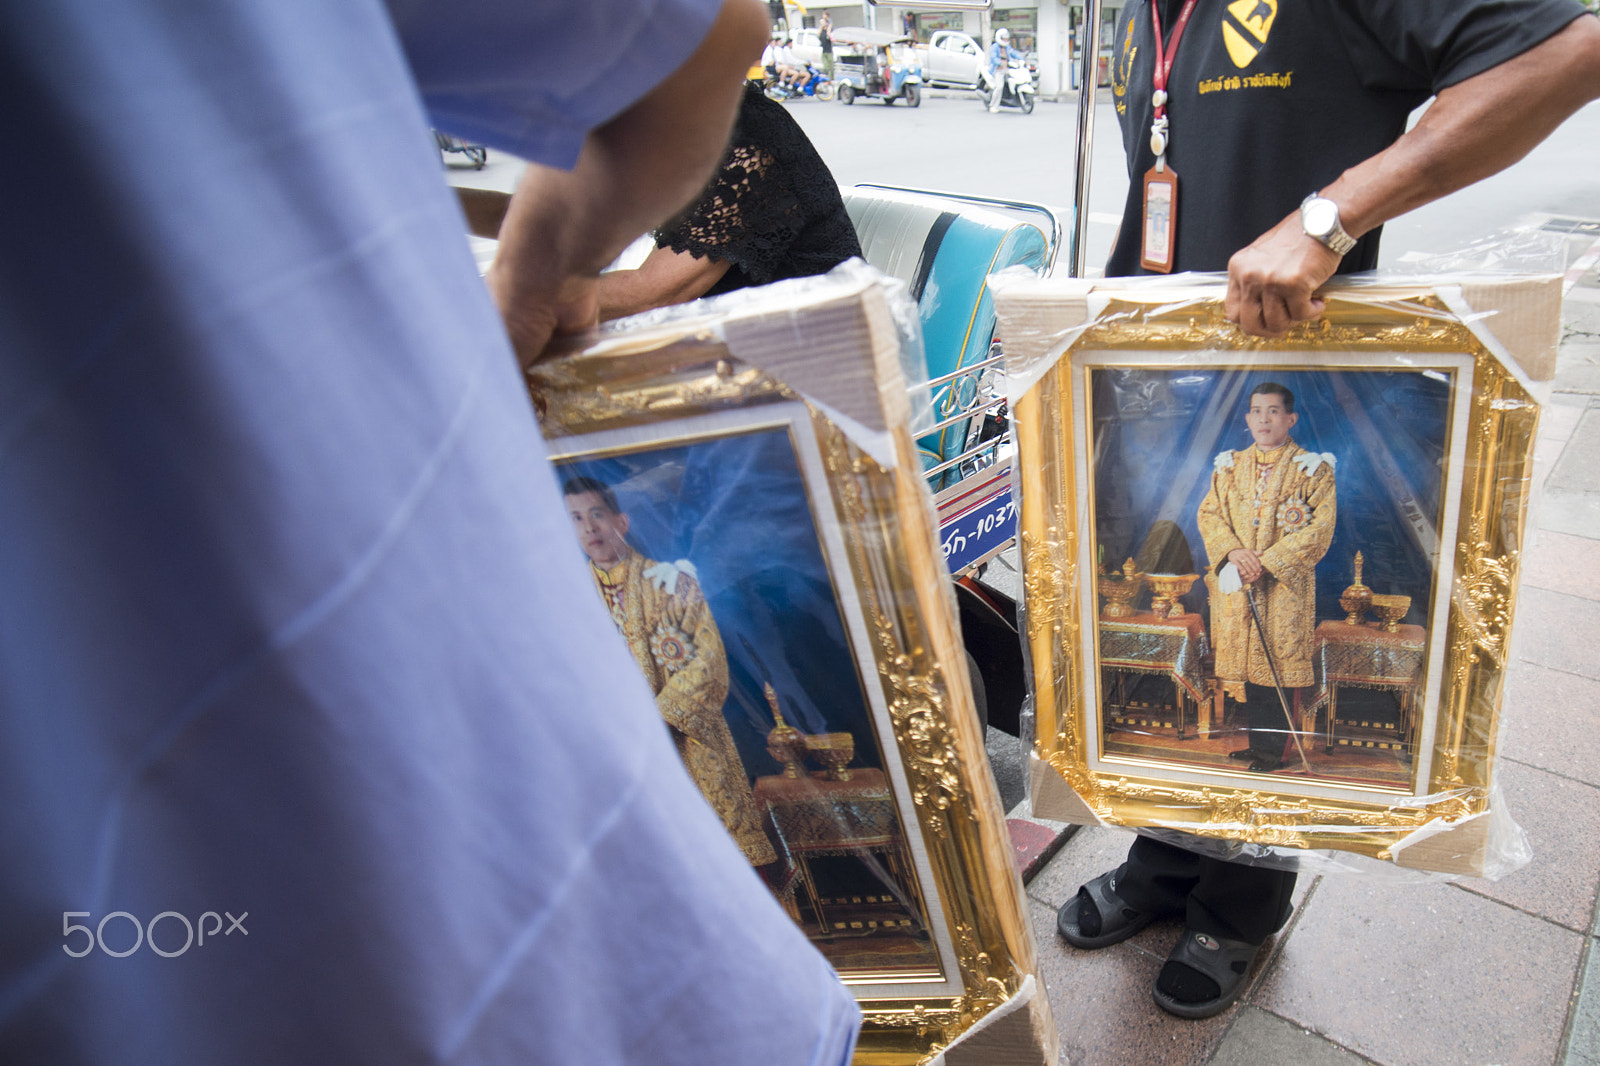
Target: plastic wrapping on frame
[
  {"x": 709, "y": 312},
  {"x": 1385, "y": 508},
  {"x": 741, "y": 474}
]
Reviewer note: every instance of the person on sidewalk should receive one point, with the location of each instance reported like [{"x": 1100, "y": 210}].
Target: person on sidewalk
[
  {"x": 1267, "y": 520},
  {"x": 294, "y": 629},
  {"x": 1279, "y": 133}
]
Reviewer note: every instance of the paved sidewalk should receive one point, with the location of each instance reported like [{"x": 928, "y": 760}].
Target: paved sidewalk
[{"x": 1468, "y": 972}]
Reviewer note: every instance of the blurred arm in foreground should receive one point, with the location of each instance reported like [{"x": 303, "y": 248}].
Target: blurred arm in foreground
[{"x": 562, "y": 227}]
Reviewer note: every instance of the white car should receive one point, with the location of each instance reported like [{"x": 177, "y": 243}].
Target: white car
[
  {"x": 807, "y": 47},
  {"x": 953, "y": 60}
]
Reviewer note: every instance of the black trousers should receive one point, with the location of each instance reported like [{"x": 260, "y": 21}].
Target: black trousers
[
  {"x": 1225, "y": 899},
  {"x": 1263, "y": 716}
]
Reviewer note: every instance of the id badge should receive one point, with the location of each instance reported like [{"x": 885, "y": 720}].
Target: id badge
[{"x": 1160, "y": 224}]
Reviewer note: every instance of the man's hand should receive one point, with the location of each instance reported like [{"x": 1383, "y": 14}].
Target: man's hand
[
  {"x": 1475, "y": 128},
  {"x": 1249, "y": 564},
  {"x": 1272, "y": 281},
  {"x": 571, "y": 306},
  {"x": 563, "y": 227}
]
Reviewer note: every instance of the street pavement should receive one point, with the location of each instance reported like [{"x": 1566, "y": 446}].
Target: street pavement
[{"x": 1418, "y": 974}]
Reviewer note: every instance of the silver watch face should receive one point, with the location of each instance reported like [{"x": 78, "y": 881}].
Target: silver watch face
[{"x": 1320, "y": 216}]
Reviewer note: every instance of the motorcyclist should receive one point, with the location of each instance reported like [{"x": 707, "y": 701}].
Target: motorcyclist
[
  {"x": 1000, "y": 53},
  {"x": 780, "y": 63}
]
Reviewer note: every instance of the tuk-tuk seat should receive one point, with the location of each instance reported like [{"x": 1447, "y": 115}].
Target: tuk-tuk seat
[{"x": 944, "y": 249}]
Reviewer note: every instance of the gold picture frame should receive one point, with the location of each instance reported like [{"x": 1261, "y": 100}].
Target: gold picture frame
[
  {"x": 1103, "y": 757},
  {"x": 794, "y": 398}
]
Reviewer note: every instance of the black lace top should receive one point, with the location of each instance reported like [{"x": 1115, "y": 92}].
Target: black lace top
[{"x": 772, "y": 210}]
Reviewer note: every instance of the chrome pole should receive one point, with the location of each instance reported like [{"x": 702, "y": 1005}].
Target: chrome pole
[{"x": 1088, "y": 82}]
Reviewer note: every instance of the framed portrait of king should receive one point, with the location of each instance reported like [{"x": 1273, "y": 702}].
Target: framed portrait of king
[
  {"x": 754, "y": 518},
  {"x": 1270, "y": 582}
]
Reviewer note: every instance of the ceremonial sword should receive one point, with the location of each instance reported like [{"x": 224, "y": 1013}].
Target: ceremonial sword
[{"x": 1277, "y": 682}]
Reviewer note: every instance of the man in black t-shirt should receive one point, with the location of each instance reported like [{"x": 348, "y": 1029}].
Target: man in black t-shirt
[
  {"x": 1270, "y": 101},
  {"x": 1286, "y": 126}
]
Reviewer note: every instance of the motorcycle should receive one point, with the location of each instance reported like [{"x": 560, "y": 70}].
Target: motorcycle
[
  {"x": 1019, "y": 90},
  {"x": 816, "y": 85}
]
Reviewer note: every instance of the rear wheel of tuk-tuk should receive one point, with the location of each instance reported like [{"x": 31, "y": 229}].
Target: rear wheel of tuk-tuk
[
  {"x": 847, "y": 94},
  {"x": 913, "y": 96}
]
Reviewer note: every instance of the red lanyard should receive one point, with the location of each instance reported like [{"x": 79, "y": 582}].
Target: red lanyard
[{"x": 1164, "y": 54}]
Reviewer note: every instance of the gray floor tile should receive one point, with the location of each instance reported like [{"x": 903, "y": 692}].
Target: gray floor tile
[
  {"x": 1559, "y": 418},
  {"x": 1558, "y": 630},
  {"x": 1566, "y": 512},
  {"x": 1419, "y": 975},
  {"x": 1578, "y": 469},
  {"x": 1576, "y": 375},
  {"x": 1583, "y": 1046},
  {"x": 1008, "y": 763},
  {"x": 1561, "y": 562},
  {"x": 1551, "y": 719},
  {"x": 1562, "y": 820},
  {"x": 1261, "y": 1039}
]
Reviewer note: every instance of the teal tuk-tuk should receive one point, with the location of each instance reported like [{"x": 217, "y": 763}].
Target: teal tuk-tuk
[{"x": 876, "y": 65}]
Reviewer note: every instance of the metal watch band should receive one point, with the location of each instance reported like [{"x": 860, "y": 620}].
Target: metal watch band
[{"x": 1335, "y": 240}]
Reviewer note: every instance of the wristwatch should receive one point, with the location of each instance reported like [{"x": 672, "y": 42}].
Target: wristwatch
[{"x": 1319, "y": 217}]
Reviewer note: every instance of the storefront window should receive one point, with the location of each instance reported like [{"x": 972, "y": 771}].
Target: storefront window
[
  {"x": 929, "y": 24},
  {"x": 1023, "y": 24}
]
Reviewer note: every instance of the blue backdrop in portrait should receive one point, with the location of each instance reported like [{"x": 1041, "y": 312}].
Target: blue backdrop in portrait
[
  {"x": 736, "y": 507},
  {"x": 1157, "y": 433}
]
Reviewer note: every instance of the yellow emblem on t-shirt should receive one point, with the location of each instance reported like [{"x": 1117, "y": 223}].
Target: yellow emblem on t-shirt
[{"x": 1250, "y": 17}]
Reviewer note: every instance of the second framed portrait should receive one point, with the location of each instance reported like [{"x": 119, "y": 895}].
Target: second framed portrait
[
  {"x": 1270, "y": 582},
  {"x": 756, "y": 521},
  {"x": 728, "y": 591}
]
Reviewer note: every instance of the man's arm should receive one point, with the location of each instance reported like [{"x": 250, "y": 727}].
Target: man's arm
[
  {"x": 1475, "y": 128},
  {"x": 562, "y": 227},
  {"x": 665, "y": 277}
]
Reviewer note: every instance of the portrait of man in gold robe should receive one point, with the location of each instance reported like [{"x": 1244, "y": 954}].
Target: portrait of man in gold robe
[
  {"x": 661, "y": 612},
  {"x": 1266, "y": 521}
]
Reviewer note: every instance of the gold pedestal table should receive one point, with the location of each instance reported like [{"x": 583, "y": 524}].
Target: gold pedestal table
[
  {"x": 1365, "y": 656},
  {"x": 813, "y": 815},
  {"x": 1152, "y": 644}
]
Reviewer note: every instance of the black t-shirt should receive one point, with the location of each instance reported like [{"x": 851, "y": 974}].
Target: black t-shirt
[
  {"x": 772, "y": 210},
  {"x": 1270, "y": 101}
]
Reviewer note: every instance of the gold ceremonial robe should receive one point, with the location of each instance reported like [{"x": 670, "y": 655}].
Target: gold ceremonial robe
[
  {"x": 1284, "y": 512},
  {"x": 674, "y": 639}
]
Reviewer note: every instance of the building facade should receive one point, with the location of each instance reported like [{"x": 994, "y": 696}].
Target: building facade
[{"x": 1051, "y": 28}]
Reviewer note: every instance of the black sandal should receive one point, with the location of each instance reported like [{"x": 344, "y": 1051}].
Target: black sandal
[
  {"x": 1225, "y": 963},
  {"x": 1118, "y": 921}
]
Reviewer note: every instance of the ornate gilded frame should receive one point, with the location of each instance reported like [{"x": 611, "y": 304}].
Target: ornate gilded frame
[
  {"x": 1440, "y": 822},
  {"x": 697, "y": 377}
]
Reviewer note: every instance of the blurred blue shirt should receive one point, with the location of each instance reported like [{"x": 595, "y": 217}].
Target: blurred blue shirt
[{"x": 293, "y": 627}]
